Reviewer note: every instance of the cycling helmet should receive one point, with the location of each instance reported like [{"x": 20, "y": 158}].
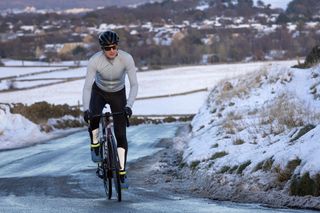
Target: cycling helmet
[{"x": 108, "y": 38}]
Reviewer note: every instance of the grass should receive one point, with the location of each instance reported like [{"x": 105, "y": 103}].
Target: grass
[
  {"x": 243, "y": 167},
  {"x": 287, "y": 112},
  {"x": 303, "y": 131},
  {"x": 182, "y": 165},
  {"x": 214, "y": 145},
  {"x": 286, "y": 174},
  {"x": 224, "y": 169},
  {"x": 267, "y": 165},
  {"x": 258, "y": 166},
  {"x": 241, "y": 87},
  {"x": 218, "y": 155},
  {"x": 233, "y": 169},
  {"x": 229, "y": 127},
  {"x": 201, "y": 127},
  {"x": 238, "y": 141},
  {"x": 194, "y": 164},
  {"x": 305, "y": 185}
]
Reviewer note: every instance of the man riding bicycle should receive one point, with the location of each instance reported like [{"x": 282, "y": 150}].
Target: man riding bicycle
[{"x": 105, "y": 84}]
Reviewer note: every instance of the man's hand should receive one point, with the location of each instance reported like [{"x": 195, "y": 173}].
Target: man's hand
[
  {"x": 86, "y": 116},
  {"x": 128, "y": 111}
]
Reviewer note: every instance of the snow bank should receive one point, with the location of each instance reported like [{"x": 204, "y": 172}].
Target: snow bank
[
  {"x": 17, "y": 131},
  {"x": 271, "y": 114}
]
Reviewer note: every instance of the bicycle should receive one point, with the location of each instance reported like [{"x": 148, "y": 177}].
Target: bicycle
[{"x": 109, "y": 167}]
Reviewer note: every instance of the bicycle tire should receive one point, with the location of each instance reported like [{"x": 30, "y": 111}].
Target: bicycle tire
[
  {"x": 107, "y": 177},
  {"x": 115, "y": 168}
]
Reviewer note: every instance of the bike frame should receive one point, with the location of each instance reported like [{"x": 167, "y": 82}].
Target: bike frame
[{"x": 110, "y": 164}]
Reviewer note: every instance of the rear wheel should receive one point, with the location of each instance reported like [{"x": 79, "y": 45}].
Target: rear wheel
[{"x": 115, "y": 168}]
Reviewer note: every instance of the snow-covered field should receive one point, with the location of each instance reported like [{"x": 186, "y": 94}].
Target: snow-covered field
[
  {"x": 152, "y": 83},
  {"x": 17, "y": 71}
]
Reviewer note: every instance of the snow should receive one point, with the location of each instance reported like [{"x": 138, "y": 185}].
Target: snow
[
  {"x": 10, "y": 62},
  {"x": 253, "y": 111},
  {"x": 276, "y": 3},
  {"x": 151, "y": 83},
  {"x": 16, "y": 130},
  {"x": 16, "y": 71},
  {"x": 202, "y": 7}
]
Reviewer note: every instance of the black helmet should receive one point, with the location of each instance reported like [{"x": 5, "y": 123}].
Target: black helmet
[{"x": 108, "y": 38}]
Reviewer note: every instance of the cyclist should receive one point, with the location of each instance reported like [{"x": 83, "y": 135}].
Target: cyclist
[{"x": 105, "y": 84}]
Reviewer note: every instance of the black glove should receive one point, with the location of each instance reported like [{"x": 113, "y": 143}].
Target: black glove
[
  {"x": 86, "y": 116},
  {"x": 128, "y": 111}
]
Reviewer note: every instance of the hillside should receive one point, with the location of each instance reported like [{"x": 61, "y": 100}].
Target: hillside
[
  {"x": 257, "y": 136},
  {"x": 60, "y": 4},
  {"x": 162, "y": 34}
]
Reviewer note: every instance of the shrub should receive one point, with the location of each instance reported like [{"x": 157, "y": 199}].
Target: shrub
[
  {"x": 45, "y": 128},
  {"x": 185, "y": 118},
  {"x": 169, "y": 119},
  {"x": 218, "y": 155},
  {"x": 64, "y": 124},
  {"x": 137, "y": 120},
  {"x": 40, "y": 112}
]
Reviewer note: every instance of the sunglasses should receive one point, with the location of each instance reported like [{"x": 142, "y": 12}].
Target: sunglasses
[{"x": 108, "y": 48}]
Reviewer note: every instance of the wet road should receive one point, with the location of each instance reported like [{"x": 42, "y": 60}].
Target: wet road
[{"x": 59, "y": 176}]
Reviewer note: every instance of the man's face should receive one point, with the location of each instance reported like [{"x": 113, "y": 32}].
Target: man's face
[{"x": 111, "y": 51}]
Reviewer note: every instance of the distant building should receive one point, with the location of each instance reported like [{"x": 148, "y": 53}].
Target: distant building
[{"x": 68, "y": 47}]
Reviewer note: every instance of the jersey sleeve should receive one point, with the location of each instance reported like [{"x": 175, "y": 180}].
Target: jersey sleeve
[
  {"x": 90, "y": 77},
  {"x": 132, "y": 76}
]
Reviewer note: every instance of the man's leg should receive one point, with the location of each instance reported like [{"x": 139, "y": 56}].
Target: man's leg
[
  {"x": 97, "y": 102},
  {"x": 117, "y": 103}
]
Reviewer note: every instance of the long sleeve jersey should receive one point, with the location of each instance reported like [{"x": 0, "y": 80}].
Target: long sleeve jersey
[{"x": 109, "y": 76}]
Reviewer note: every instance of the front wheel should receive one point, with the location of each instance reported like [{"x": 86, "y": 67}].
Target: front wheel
[
  {"x": 107, "y": 172},
  {"x": 107, "y": 182},
  {"x": 115, "y": 168}
]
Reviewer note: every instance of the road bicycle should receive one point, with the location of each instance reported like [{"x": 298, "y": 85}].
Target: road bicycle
[{"x": 109, "y": 167}]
